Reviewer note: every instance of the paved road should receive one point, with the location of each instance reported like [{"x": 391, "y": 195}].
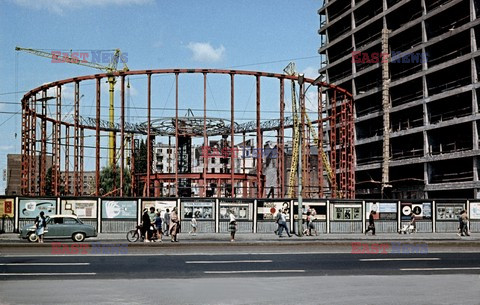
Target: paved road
[
  {"x": 221, "y": 264},
  {"x": 238, "y": 274}
]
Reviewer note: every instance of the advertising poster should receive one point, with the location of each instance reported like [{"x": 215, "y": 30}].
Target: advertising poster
[
  {"x": 319, "y": 208},
  {"x": 80, "y": 208},
  {"x": 116, "y": 209},
  {"x": 421, "y": 210},
  {"x": 346, "y": 212},
  {"x": 474, "y": 210},
  {"x": 31, "y": 208},
  {"x": 202, "y": 209},
  {"x": 427, "y": 210},
  {"x": 159, "y": 205},
  {"x": 268, "y": 210},
  {"x": 449, "y": 211},
  {"x": 6, "y": 207},
  {"x": 384, "y": 210},
  {"x": 241, "y": 210}
]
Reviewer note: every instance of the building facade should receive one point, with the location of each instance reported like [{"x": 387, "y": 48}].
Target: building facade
[{"x": 416, "y": 109}]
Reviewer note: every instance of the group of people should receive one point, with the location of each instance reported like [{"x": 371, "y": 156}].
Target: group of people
[{"x": 152, "y": 225}]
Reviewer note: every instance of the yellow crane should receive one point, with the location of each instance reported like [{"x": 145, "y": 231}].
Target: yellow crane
[
  {"x": 112, "y": 67},
  {"x": 290, "y": 70}
]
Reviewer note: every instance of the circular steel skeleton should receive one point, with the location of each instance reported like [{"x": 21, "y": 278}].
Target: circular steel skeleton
[{"x": 51, "y": 134}]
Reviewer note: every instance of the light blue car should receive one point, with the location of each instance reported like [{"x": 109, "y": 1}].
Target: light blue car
[{"x": 60, "y": 226}]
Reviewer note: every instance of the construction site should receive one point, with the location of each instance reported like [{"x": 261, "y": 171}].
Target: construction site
[
  {"x": 206, "y": 155},
  {"x": 393, "y": 115},
  {"x": 416, "y": 121}
]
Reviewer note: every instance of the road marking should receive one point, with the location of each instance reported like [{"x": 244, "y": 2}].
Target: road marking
[
  {"x": 44, "y": 264},
  {"x": 53, "y": 273},
  {"x": 254, "y": 271},
  {"x": 230, "y": 262},
  {"x": 400, "y": 259},
  {"x": 440, "y": 269}
]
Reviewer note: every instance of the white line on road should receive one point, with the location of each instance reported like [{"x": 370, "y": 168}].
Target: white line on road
[
  {"x": 53, "y": 273},
  {"x": 230, "y": 262},
  {"x": 44, "y": 264},
  {"x": 440, "y": 269},
  {"x": 400, "y": 259},
  {"x": 255, "y": 271}
]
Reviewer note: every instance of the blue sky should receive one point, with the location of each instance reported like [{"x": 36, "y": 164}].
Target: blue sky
[{"x": 244, "y": 34}]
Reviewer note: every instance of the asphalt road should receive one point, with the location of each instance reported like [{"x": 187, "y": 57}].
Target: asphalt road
[
  {"x": 240, "y": 264},
  {"x": 239, "y": 274}
]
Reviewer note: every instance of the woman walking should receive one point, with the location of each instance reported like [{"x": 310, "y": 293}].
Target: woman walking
[
  {"x": 232, "y": 226},
  {"x": 371, "y": 223},
  {"x": 174, "y": 225},
  {"x": 41, "y": 225}
]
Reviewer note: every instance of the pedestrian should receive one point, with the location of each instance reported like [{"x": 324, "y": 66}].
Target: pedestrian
[
  {"x": 310, "y": 224},
  {"x": 232, "y": 226},
  {"x": 371, "y": 223},
  {"x": 146, "y": 226},
  {"x": 277, "y": 218},
  {"x": 158, "y": 225},
  {"x": 193, "y": 223},
  {"x": 166, "y": 220},
  {"x": 413, "y": 222},
  {"x": 283, "y": 224},
  {"x": 464, "y": 223},
  {"x": 41, "y": 225},
  {"x": 174, "y": 225}
]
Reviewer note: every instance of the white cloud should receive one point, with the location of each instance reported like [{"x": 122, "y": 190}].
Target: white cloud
[
  {"x": 60, "y": 6},
  {"x": 204, "y": 52}
]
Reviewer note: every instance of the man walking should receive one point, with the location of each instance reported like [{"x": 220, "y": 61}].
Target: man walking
[
  {"x": 282, "y": 223},
  {"x": 166, "y": 221}
]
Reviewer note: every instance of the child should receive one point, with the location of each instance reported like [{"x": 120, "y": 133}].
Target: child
[{"x": 193, "y": 223}]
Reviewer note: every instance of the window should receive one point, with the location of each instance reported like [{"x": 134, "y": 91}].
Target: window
[
  {"x": 213, "y": 160},
  {"x": 70, "y": 221}
]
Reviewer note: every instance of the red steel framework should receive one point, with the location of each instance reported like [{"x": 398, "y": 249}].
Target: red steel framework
[{"x": 335, "y": 125}]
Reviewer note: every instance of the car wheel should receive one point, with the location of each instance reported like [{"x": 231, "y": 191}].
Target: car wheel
[
  {"x": 78, "y": 237},
  {"x": 32, "y": 237}
]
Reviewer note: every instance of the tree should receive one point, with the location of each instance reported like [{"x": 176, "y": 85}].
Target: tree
[{"x": 107, "y": 178}]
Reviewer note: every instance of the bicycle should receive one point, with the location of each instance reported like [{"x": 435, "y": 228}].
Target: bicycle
[{"x": 134, "y": 235}]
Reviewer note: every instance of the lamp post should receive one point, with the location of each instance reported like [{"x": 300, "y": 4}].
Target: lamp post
[
  {"x": 301, "y": 80},
  {"x": 303, "y": 91}
]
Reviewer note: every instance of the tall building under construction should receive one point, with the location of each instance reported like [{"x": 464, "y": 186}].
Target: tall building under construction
[{"x": 417, "y": 119}]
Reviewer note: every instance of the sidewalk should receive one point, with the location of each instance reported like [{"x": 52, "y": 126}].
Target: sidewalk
[{"x": 271, "y": 238}]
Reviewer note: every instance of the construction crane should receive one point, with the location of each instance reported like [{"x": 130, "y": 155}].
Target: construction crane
[
  {"x": 290, "y": 70},
  {"x": 112, "y": 67}
]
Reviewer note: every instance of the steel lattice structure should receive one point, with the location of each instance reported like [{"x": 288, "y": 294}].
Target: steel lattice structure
[{"x": 335, "y": 126}]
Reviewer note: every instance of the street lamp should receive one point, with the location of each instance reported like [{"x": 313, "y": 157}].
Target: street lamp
[
  {"x": 301, "y": 80},
  {"x": 303, "y": 91}
]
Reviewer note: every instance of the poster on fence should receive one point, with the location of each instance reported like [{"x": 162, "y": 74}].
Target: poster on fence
[
  {"x": 268, "y": 210},
  {"x": 160, "y": 205},
  {"x": 474, "y": 210},
  {"x": 242, "y": 210},
  {"x": 421, "y": 210},
  {"x": 317, "y": 209},
  {"x": 80, "y": 208},
  {"x": 346, "y": 211},
  {"x": 6, "y": 207},
  {"x": 118, "y": 209},
  {"x": 31, "y": 208},
  {"x": 383, "y": 210},
  {"x": 449, "y": 211},
  {"x": 201, "y": 208}
]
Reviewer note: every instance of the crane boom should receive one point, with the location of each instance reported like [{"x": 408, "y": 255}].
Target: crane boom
[{"x": 112, "y": 67}]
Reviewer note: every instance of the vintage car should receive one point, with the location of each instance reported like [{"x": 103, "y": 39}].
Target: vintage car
[{"x": 60, "y": 226}]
